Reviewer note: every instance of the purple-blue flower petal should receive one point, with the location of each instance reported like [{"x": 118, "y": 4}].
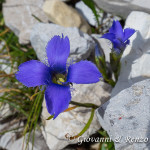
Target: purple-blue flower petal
[
  {"x": 117, "y": 43},
  {"x": 127, "y": 42},
  {"x": 33, "y": 73},
  {"x": 109, "y": 36},
  {"x": 116, "y": 29},
  {"x": 128, "y": 33},
  {"x": 57, "y": 98},
  {"x": 58, "y": 50},
  {"x": 83, "y": 72}
]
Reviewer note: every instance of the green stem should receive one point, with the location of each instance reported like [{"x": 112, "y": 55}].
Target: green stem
[
  {"x": 101, "y": 64},
  {"x": 86, "y": 126},
  {"x": 3, "y": 132},
  {"x": 34, "y": 116},
  {"x": 49, "y": 118},
  {"x": 14, "y": 105},
  {"x": 88, "y": 105},
  {"x": 111, "y": 82},
  {"x": 36, "y": 120}
]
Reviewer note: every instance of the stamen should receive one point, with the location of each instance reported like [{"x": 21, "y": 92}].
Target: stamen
[{"x": 59, "y": 78}]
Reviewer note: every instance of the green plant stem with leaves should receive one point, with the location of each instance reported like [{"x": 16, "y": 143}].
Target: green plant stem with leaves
[
  {"x": 115, "y": 64},
  {"x": 101, "y": 64},
  {"x": 33, "y": 117},
  {"x": 85, "y": 127}
]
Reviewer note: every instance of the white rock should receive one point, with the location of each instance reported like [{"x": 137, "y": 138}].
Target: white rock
[
  {"x": 61, "y": 0},
  {"x": 105, "y": 19},
  {"x": 144, "y": 3},
  {"x": 86, "y": 12},
  {"x": 64, "y": 15},
  {"x": 136, "y": 59},
  {"x": 123, "y": 7},
  {"x": 73, "y": 122},
  {"x": 81, "y": 44},
  {"x": 4, "y": 112},
  {"x": 127, "y": 113},
  {"x": 9, "y": 141},
  {"x": 126, "y": 117},
  {"x": 18, "y": 16}
]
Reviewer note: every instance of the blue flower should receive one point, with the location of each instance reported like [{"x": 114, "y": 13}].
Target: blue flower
[
  {"x": 56, "y": 76},
  {"x": 118, "y": 37}
]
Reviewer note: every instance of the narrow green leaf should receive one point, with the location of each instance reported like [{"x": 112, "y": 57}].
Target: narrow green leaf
[
  {"x": 14, "y": 105},
  {"x": 88, "y": 123},
  {"x": 91, "y": 5},
  {"x": 50, "y": 117},
  {"x": 86, "y": 126}
]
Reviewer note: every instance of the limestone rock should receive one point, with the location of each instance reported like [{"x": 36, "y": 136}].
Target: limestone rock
[
  {"x": 19, "y": 16},
  {"x": 123, "y": 7},
  {"x": 126, "y": 117},
  {"x": 64, "y": 15},
  {"x": 127, "y": 113},
  {"x": 86, "y": 12},
  {"x": 72, "y": 122},
  {"x": 65, "y": 0},
  {"x": 105, "y": 19},
  {"x": 4, "y": 112},
  {"x": 81, "y": 44},
  {"x": 136, "y": 59},
  {"x": 10, "y": 142}
]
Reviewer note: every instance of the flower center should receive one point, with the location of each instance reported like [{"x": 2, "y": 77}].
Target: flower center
[{"x": 59, "y": 79}]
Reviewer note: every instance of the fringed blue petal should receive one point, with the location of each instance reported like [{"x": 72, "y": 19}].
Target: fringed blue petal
[
  {"x": 116, "y": 29},
  {"x": 109, "y": 36},
  {"x": 83, "y": 72},
  {"x": 57, "y": 98},
  {"x": 33, "y": 73},
  {"x": 58, "y": 50},
  {"x": 128, "y": 33}
]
